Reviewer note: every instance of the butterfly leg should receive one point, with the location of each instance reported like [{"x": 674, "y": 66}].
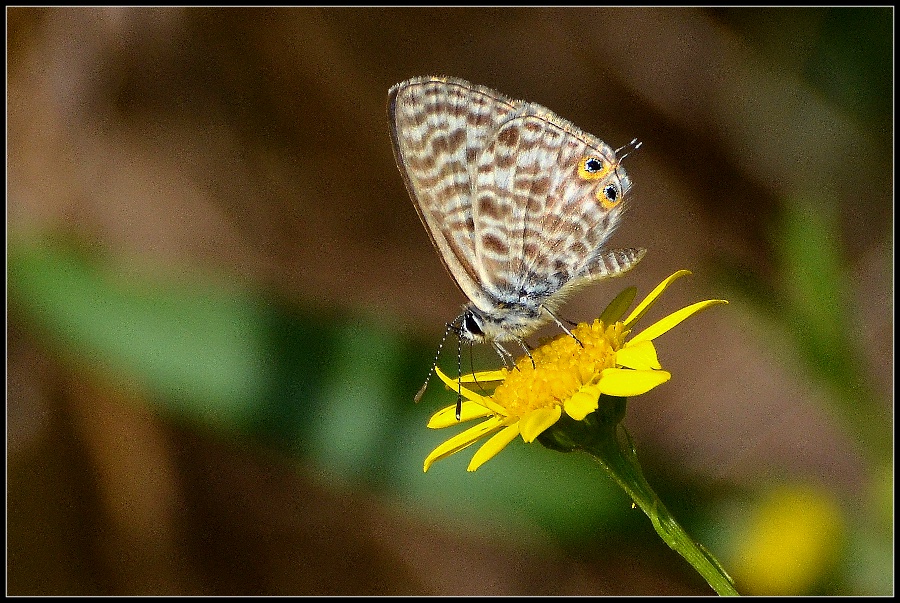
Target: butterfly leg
[
  {"x": 505, "y": 355},
  {"x": 561, "y": 325},
  {"x": 527, "y": 349}
]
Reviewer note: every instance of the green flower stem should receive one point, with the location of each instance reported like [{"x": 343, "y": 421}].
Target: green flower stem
[{"x": 599, "y": 436}]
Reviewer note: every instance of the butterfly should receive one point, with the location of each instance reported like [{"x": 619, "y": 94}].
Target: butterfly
[{"x": 518, "y": 201}]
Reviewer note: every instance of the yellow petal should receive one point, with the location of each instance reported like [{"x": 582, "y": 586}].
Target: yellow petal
[
  {"x": 463, "y": 440},
  {"x": 454, "y": 385},
  {"x": 494, "y": 445},
  {"x": 618, "y": 306},
  {"x": 661, "y": 326},
  {"x": 651, "y": 299},
  {"x": 446, "y": 417},
  {"x": 469, "y": 394},
  {"x": 484, "y": 376},
  {"x": 534, "y": 423},
  {"x": 583, "y": 402},
  {"x": 628, "y": 382},
  {"x": 640, "y": 356}
]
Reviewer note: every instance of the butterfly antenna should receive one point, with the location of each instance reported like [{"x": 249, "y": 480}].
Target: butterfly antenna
[
  {"x": 450, "y": 325},
  {"x": 634, "y": 144}
]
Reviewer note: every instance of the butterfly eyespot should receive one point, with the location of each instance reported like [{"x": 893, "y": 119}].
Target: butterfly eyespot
[
  {"x": 592, "y": 165},
  {"x": 609, "y": 196},
  {"x": 592, "y": 168},
  {"x": 612, "y": 193}
]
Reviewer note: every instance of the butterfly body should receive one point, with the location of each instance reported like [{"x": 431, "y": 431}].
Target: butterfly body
[{"x": 518, "y": 201}]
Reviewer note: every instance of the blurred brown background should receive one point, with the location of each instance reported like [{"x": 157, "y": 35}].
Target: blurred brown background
[{"x": 248, "y": 149}]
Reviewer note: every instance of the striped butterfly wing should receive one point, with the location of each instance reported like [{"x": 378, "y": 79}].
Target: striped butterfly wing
[
  {"x": 439, "y": 129},
  {"x": 547, "y": 197}
]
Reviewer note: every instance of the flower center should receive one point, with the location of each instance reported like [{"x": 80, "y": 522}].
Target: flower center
[{"x": 561, "y": 368}]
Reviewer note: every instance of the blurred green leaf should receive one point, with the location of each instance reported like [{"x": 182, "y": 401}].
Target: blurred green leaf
[
  {"x": 815, "y": 281},
  {"x": 192, "y": 342},
  {"x": 852, "y": 61},
  {"x": 818, "y": 314}
]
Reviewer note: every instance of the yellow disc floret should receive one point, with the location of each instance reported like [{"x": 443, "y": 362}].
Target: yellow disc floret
[{"x": 561, "y": 368}]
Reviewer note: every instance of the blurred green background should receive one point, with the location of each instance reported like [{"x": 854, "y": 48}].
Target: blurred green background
[{"x": 221, "y": 303}]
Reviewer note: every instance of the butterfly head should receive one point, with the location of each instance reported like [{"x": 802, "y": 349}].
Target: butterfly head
[{"x": 504, "y": 321}]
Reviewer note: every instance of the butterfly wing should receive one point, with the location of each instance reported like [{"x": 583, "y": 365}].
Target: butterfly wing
[
  {"x": 547, "y": 197},
  {"x": 439, "y": 127}
]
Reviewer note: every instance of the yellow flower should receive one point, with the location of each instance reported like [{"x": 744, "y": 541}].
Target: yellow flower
[
  {"x": 791, "y": 541},
  {"x": 565, "y": 377}
]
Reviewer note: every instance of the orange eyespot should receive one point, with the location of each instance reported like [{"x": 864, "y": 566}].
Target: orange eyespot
[
  {"x": 610, "y": 195},
  {"x": 593, "y": 168}
]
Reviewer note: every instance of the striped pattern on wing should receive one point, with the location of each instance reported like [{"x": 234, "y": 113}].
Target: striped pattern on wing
[
  {"x": 439, "y": 127},
  {"x": 539, "y": 226}
]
